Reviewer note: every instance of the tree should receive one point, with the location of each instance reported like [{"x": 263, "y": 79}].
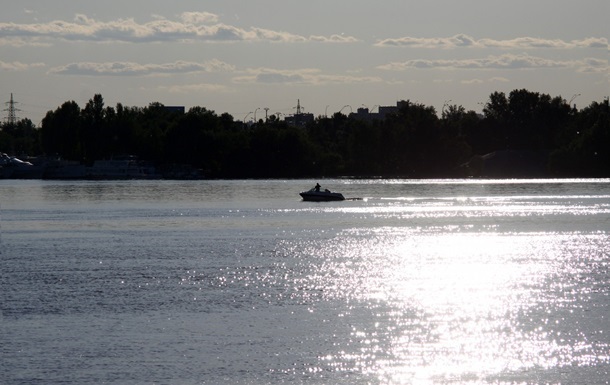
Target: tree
[
  {"x": 61, "y": 132},
  {"x": 588, "y": 152},
  {"x": 412, "y": 142},
  {"x": 497, "y": 106},
  {"x": 21, "y": 137},
  {"x": 94, "y": 129},
  {"x": 415, "y": 132},
  {"x": 453, "y": 149}
]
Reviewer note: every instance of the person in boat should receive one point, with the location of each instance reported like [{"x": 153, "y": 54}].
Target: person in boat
[{"x": 317, "y": 188}]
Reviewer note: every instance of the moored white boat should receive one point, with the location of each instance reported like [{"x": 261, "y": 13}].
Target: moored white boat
[{"x": 15, "y": 168}]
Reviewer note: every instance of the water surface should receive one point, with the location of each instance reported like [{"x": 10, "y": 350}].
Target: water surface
[{"x": 240, "y": 282}]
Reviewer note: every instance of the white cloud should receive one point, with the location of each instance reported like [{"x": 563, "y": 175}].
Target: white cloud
[
  {"x": 191, "y": 27},
  {"x": 507, "y": 61},
  {"x": 498, "y": 79},
  {"x": 593, "y": 65},
  {"x": 279, "y": 78},
  {"x": 495, "y": 79},
  {"x": 136, "y": 69},
  {"x": 199, "y": 18},
  {"x": 21, "y": 42},
  {"x": 472, "y": 81},
  {"x": 435, "y": 42},
  {"x": 305, "y": 76},
  {"x": 462, "y": 40},
  {"x": 269, "y": 35},
  {"x": 333, "y": 39},
  {"x": 18, "y": 66},
  {"x": 189, "y": 88}
]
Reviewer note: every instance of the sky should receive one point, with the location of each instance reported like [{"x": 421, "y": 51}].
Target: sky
[{"x": 258, "y": 57}]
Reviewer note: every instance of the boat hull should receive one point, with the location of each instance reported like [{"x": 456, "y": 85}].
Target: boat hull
[{"x": 321, "y": 196}]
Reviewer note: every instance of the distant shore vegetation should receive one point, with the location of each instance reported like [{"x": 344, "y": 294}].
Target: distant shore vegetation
[{"x": 522, "y": 134}]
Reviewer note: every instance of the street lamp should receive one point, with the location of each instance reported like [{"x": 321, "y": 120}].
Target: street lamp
[
  {"x": 347, "y": 105},
  {"x": 572, "y": 99}
]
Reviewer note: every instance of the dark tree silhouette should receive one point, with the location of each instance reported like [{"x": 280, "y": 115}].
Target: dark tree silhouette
[{"x": 411, "y": 142}]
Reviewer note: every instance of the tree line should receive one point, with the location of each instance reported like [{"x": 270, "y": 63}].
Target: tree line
[{"x": 413, "y": 142}]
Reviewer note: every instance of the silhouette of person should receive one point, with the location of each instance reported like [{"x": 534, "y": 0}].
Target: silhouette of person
[{"x": 317, "y": 187}]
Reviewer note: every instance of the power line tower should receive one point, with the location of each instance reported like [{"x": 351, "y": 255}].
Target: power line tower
[
  {"x": 298, "y": 106},
  {"x": 11, "y": 118}
]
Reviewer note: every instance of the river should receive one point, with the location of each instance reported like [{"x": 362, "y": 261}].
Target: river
[{"x": 241, "y": 282}]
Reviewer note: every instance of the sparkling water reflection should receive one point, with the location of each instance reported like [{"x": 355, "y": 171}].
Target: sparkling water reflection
[
  {"x": 238, "y": 282},
  {"x": 459, "y": 307}
]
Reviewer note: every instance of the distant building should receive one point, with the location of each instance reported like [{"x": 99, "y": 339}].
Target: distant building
[
  {"x": 300, "y": 119},
  {"x": 388, "y": 110},
  {"x": 381, "y": 114}
]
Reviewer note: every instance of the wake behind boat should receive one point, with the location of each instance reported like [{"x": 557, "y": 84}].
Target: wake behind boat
[{"x": 317, "y": 195}]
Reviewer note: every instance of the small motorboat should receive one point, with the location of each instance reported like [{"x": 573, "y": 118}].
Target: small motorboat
[{"x": 316, "y": 195}]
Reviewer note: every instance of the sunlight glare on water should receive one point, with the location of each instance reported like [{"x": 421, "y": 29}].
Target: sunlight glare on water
[{"x": 455, "y": 304}]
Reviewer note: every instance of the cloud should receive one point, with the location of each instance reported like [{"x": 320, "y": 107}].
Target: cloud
[
  {"x": 190, "y": 27},
  {"x": 481, "y": 81},
  {"x": 136, "y": 69},
  {"x": 472, "y": 81},
  {"x": 334, "y": 39},
  {"x": 507, "y": 61},
  {"x": 269, "y": 35},
  {"x": 189, "y": 88},
  {"x": 305, "y": 76},
  {"x": 199, "y": 18},
  {"x": 593, "y": 65},
  {"x": 18, "y": 66},
  {"x": 21, "y": 42},
  {"x": 415, "y": 42},
  {"x": 498, "y": 79},
  {"x": 462, "y": 40},
  {"x": 279, "y": 78}
]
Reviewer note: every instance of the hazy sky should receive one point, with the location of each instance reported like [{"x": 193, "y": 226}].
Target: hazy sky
[{"x": 244, "y": 56}]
